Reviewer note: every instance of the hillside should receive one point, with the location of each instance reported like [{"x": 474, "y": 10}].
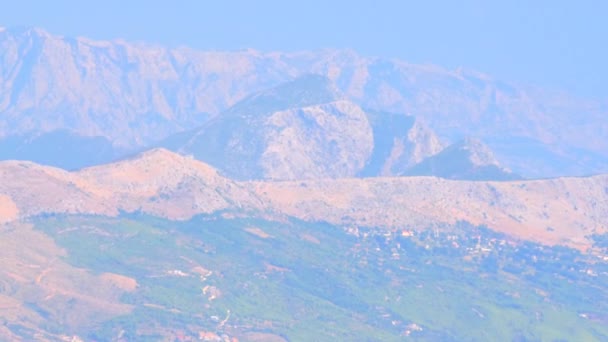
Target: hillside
[
  {"x": 136, "y": 277},
  {"x": 44, "y": 296},
  {"x": 553, "y": 211},
  {"x": 556, "y": 211},
  {"x": 158, "y": 182}
]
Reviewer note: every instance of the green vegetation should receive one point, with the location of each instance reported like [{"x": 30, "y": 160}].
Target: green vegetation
[{"x": 312, "y": 281}]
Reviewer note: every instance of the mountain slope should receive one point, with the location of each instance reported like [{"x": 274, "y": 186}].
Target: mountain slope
[{"x": 156, "y": 181}]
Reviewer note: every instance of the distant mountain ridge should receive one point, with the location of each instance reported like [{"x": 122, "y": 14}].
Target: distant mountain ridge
[{"x": 135, "y": 94}]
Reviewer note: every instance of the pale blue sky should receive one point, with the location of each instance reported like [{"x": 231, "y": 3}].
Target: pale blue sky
[{"x": 556, "y": 44}]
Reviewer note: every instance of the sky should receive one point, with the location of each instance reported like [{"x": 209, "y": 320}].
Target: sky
[{"x": 553, "y": 44}]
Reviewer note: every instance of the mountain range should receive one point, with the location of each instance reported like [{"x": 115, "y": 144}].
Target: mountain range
[{"x": 135, "y": 95}]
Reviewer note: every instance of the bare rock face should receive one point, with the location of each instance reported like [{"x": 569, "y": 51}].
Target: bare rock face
[{"x": 325, "y": 141}]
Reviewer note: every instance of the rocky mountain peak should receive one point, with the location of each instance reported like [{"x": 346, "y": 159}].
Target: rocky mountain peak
[
  {"x": 478, "y": 153},
  {"x": 468, "y": 159}
]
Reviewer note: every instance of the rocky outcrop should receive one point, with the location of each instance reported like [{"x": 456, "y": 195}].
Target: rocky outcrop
[
  {"x": 467, "y": 159},
  {"x": 298, "y": 130}
]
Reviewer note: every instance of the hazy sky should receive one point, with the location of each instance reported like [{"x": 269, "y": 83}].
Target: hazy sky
[{"x": 557, "y": 44}]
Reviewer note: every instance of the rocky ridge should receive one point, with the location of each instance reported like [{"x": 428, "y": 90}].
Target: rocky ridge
[{"x": 554, "y": 211}]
